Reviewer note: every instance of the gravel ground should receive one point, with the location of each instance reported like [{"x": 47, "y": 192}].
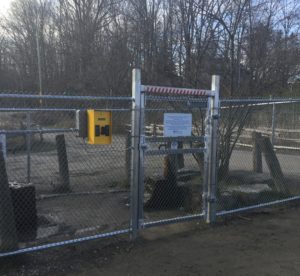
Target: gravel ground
[{"x": 262, "y": 243}]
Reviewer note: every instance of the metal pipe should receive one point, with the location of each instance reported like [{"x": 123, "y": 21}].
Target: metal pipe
[
  {"x": 61, "y": 97},
  {"x": 135, "y": 134},
  {"x": 56, "y": 109},
  {"x": 63, "y": 243},
  {"x": 13, "y": 109},
  {"x": 223, "y": 101},
  {"x": 142, "y": 149},
  {"x": 174, "y": 151},
  {"x": 270, "y": 101},
  {"x": 261, "y": 205},
  {"x": 162, "y": 109},
  {"x": 31, "y": 131},
  {"x": 179, "y": 139},
  {"x": 172, "y": 220},
  {"x": 211, "y": 167}
]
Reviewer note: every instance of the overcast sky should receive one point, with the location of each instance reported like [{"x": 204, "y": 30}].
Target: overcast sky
[{"x": 4, "y": 4}]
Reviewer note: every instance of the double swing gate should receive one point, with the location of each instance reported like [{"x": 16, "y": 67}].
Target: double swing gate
[{"x": 56, "y": 189}]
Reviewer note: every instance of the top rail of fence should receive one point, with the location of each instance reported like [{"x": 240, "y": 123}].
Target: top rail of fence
[
  {"x": 224, "y": 103},
  {"x": 63, "y": 97},
  {"x": 159, "y": 93},
  {"x": 177, "y": 91},
  {"x": 32, "y": 109},
  {"x": 259, "y": 101}
]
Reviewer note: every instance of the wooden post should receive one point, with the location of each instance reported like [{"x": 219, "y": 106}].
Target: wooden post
[
  {"x": 178, "y": 163},
  {"x": 180, "y": 157},
  {"x": 257, "y": 156},
  {"x": 273, "y": 165},
  {"x": 8, "y": 233},
  {"x": 171, "y": 168},
  {"x": 64, "y": 185}
]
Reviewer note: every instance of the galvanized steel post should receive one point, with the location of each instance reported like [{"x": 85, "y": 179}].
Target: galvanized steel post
[
  {"x": 135, "y": 153},
  {"x": 207, "y": 154},
  {"x": 142, "y": 148},
  {"x": 213, "y": 118}
]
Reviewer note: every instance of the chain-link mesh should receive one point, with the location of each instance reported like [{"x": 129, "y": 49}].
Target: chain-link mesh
[
  {"x": 173, "y": 181},
  {"x": 59, "y": 187},
  {"x": 261, "y": 144}
]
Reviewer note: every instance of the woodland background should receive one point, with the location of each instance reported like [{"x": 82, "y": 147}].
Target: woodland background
[{"x": 88, "y": 47}]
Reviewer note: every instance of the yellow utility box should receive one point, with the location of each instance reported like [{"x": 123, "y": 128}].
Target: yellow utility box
[{"x": 99, "y": 127}]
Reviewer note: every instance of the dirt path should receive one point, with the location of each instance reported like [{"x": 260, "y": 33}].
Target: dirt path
[{"x": 265, "y": 243}]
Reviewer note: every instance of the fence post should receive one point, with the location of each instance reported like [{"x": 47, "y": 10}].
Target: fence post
[
  {"x": 135, "y": 153},
  {"x": 28, "y": 148},
  {"x": 256, "y": 152},
  {"x": 212, "y": 151},
  {"x": 142, "y": 144},
  {"x": 273, "y": 165},
  {"x": 64, "y": 185}
]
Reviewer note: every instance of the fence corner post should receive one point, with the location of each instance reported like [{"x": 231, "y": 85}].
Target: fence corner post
[
  {"x": 135, "y": 143},
  {"x": 212, "y": 173}
]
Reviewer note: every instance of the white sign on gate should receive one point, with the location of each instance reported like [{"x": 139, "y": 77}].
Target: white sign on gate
[{"x": 177, "y": 124}]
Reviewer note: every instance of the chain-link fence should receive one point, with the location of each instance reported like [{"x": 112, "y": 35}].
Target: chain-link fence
[
  {"x": 259, "y": 154},
  {"x": 161, "y": 166},
  {"x": 60, "y": 189}
]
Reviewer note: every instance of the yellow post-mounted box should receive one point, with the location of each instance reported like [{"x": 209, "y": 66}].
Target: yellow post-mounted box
[{"x": 99, "y": 127}]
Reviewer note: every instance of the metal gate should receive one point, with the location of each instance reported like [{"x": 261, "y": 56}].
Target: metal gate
[{"x": 167, "y": 197}]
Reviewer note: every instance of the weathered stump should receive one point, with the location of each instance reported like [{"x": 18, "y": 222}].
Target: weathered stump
[
  {"x": 257, "y": 156},
  {"x": 167, "y": 193},
  {"x": 25, "y": 212},
  {"x": 273, "y": 165}
]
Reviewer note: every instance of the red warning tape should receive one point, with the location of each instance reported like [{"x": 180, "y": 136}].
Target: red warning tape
[{"x": 177, "y": 91}]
